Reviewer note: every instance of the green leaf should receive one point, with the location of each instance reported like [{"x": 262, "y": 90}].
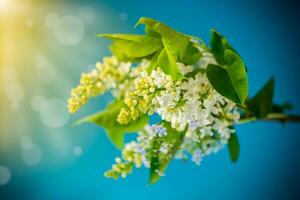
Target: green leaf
[
  {"x": 261, "y": 103},
  {"x": 103, "y": 118},
  {"x": 149, "y": 31},
  {"x": 177, "y": 41},
  {"x": 159, "y": 162},
  {"x": 234, "y": 147},
  {"x": 175, "y": 45},
  {"x": 129, "y": 47},
  {"x": 192, "y": 55},
  {"x": 195, "y": 72},
  {"x": 218, "y": 45},
  {"x": 115, "y": 137},
  {"x": 115, "y": 131},
  {"x": 281, "y": 108},
  {"x": 229, "y": 80},
  {"x": 166, "y": 62},
  {"x": 154, "y": 62},
  {"x": 156, "y": 165}
]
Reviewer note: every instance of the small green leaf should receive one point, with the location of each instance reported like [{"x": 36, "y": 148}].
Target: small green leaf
[
  {"x": 114, "y": 130},
  {"x": 167, "y": 63},
  {"x": 229, "y": 80},
  {"x": 135, "y": 125},
  {"x": 155, "y": 166},
  {"x": 218, "y": 45},
  {"x": 195, "y": 72},
  {"x": 129, "y": 47},
  {"x": 159, "y": 162},
  {"x": 234, "y": 147},
  {"x": 261, "y": 103},
  {"x": 116, "y": 137},
  {"x": 281, "y": 108},
  {"x": 192, "y": 55},
  {"x": 103, "y": 118},
  {"x": 154, "y": 62}
]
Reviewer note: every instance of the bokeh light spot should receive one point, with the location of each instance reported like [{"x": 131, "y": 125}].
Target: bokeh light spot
[
  {"x": 54, "y": 113},
  {"x": 44, "y": 66},
  {"x": 123, "y": 16},
  {"x": 69, "y": 30},
  {"x": 77, "y": 151},
  {"x": 32, "y": 155},
  {"x": 5, "y": 175},
  {"x": 26, "y": 142},
  {"x": 11, "y": 87},
  {"x": 16, "y": 93}
]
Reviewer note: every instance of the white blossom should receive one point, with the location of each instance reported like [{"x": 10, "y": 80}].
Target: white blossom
[
  {"x": 197, "y": 157},
  {"x": 164, "y": 148}
]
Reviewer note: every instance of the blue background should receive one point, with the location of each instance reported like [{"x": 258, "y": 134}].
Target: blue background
[{"x": 266, "y": 35}]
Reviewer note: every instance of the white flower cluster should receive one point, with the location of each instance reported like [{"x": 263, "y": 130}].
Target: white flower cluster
[
  {"x": 195, "y": 103},
  {"x": 190, "y": 105}
]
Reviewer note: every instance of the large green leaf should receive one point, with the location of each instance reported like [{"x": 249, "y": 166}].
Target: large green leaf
[
  {"x": 229, "y": 80},
  {"x": 133, "y": 47},
  {"x": 114, "y": 130},
  {"x": 151, "y": 32},
  {"x": 218, "y": 45},
  {"x": 159, "y": 161},
  {"x": 234, "y": 147},
  {"x": 261, "y": 103}
]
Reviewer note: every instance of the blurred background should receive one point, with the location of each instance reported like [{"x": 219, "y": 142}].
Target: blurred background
[{"x": 46, "y": 44}]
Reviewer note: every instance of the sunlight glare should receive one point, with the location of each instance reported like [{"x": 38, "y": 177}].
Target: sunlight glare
[{"x": 5, "y": 5}]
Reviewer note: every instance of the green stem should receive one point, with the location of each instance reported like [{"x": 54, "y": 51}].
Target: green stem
[{"x": 272, "y": 117}]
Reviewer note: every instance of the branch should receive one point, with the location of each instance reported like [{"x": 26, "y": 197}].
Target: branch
[{"x": 273, "y": 117}]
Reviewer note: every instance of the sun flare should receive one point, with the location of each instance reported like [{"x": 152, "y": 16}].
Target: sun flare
[{"x": 5, "y": 5}]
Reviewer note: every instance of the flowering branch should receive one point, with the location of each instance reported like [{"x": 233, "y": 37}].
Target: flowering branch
[
  {"x": 273, "y": 117},
  {"x": 199, "y": 93}
]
